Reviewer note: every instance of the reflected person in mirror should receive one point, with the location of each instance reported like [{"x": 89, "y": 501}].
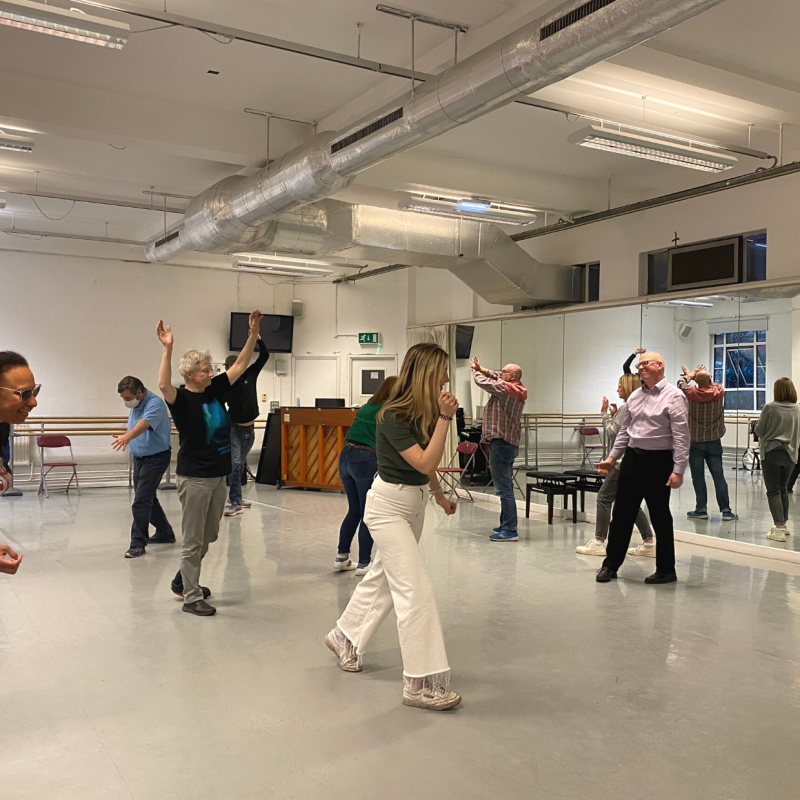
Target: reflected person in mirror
[
  {"x": 654, "y": 438},
  {"x": 707, "y": 427},
  {"x": 778, "y": 431},
  {"x": 502, "y": 427},
  {"x": 612, "y": 422}
]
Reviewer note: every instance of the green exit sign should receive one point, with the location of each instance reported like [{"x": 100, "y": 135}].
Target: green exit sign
[{"x": 369, "y": 338}]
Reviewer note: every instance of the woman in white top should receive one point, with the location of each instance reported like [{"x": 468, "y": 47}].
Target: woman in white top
[
  {"x": 613, "y": 418},
  {"x": 778, "y": 431}
]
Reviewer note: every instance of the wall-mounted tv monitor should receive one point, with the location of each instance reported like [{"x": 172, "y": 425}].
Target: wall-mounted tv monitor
[
  {"x": 464, "y": 334},
  {"x": 277, "y": 331}
]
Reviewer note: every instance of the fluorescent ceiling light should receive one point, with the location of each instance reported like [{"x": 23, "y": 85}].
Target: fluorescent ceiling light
[
  {"x": 665, "y": 151},
  {"x": 74, "y": 25},
  {"x": 692, "y": 303},
  {"x": 276, "y": 265},
  {"x": 21, "y": 144},
  {"x": 479, "y": 210}
]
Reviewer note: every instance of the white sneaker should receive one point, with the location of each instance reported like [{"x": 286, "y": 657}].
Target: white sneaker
[
  {"x": 342, "y": 565},
  {"x": 777, "y": 534},
  {"x": 344, "y": 650},
  {"x": 592, "y": 548},
  {"x": 363, "y": 570},
  {"x": 647, "y": 550},
  {"x": 432, "y": 697}
]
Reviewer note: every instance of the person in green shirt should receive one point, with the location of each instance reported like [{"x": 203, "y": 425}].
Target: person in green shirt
[
  {"x": 358, "y": 464},
  {"x": 410, "y": 435}
]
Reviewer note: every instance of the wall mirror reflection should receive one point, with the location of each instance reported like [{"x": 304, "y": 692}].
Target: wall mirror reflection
[{"x": 734, "y": 347}]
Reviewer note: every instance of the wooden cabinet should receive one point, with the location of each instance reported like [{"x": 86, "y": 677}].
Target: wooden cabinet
[{"x": 311, "y": 441}]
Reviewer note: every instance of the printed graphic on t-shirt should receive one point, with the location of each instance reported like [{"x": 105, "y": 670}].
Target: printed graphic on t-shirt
[{"x": 217, "y": 426}]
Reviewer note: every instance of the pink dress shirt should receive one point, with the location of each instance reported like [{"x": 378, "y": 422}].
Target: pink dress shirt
[{"x": 656, "y": 419}]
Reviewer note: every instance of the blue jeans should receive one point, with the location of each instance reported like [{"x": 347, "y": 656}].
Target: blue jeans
[
  {"x": 147, "y": 511},
  {"x": 357, "y": 469},
  {"x": 710, "y": 453},
  {"x": 241, "y": 443},
  {"x": 501, "y": 462}
]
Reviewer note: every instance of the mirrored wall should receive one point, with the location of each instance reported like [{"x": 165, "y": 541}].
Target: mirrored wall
[{"x": 571, "y": 361}]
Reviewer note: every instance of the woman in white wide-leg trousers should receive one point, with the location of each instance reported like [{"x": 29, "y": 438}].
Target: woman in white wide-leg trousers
[{"x": 398, "y": 579}]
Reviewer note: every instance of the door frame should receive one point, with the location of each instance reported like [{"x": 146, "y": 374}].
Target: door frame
[
  {"x": 295, "y": 359},
  {"x": 353, "y": 357}
]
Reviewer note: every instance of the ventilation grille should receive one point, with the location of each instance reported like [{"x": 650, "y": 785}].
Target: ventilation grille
[
  {"x": 574, "y": 16},
  {"x": 162, "y": 242},
  {"x": 368, "y": 130}
]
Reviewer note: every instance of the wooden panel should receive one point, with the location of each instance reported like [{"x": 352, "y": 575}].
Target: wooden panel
[{"x": 311, "y": 443}]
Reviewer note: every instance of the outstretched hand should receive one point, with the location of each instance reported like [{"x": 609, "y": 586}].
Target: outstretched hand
[
  {"x": 475, "y": 365},
  {"x": 164, "y": 334},
  {"x": 254, "y": 321},
  {"x": 9, "y": 560}
]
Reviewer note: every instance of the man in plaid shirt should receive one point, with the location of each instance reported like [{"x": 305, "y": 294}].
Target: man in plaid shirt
[
  {"x": 502, "y": 424},
  {"x": 707, "y": 427}
]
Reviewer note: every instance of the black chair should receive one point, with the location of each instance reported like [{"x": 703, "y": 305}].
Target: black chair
[
  {"x": 552, "y": 484},
  {"x": 586, "y": 480}
]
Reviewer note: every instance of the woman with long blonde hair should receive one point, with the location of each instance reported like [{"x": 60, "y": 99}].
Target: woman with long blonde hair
[
  {"x": 410, "y": 434},
  {"x": 613, "y": 418}
]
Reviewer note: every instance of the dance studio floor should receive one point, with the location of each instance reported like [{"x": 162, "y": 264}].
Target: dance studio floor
[{"x": 571, "y": 689}]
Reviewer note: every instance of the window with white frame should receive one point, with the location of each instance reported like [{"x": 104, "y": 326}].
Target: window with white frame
[{"x": 740, "y": 365}]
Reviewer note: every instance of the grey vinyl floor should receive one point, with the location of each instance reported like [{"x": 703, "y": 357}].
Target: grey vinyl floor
[{"x": 571, "y": 689}]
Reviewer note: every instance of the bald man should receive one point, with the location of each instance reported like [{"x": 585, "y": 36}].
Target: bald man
[
  {"x": 502, "y": 426},
  {"x": 654, "y": 438}
]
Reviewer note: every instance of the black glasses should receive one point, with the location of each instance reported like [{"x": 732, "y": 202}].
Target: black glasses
[{"x": 25, "y": 394}]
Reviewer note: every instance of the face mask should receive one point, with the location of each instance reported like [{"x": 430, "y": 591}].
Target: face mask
[{"x": 131, "y": 403}]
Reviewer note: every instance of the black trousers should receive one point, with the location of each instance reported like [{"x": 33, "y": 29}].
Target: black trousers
[
  {"x": 147, "y": 474},
  {"x": 642, "y": 476}
]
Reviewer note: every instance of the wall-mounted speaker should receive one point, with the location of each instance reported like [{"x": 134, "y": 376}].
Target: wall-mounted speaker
[
  {"x": 297, "y": 308},
  {"x": 281, "y": 366},
  {"x": 684, "y": 330}
]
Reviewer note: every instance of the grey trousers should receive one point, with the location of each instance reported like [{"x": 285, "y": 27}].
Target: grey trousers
[
  {"x": 202, "y": 502},
  {"x": 605, "y": 502},
  {"x": 776, "y": 467}
]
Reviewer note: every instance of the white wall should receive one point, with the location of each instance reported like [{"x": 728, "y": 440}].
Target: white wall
[{"x": 84, "y": 323}]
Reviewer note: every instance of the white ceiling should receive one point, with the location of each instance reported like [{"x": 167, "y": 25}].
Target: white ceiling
[{"x": 115, "y": 123}]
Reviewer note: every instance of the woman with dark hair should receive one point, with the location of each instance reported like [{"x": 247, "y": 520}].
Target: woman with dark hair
[
  {"x": 411, "y": 430},
  {"x": 18, "y": 392},
  {"x": 358, "y": 464},
  {"x": 778, "y": 431}
]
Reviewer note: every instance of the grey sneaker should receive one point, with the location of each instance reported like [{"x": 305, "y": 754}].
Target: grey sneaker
[
  {"x": 344, "y": 650},
  {"x": 200, "y": 608},
  {"x": 233, "y": 511},
  {"x": 431, "y": 696}
]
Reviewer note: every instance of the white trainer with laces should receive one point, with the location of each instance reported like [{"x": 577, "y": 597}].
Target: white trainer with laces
[
  {"x": 646, "y": 550},
  {"x": 344, "y": 650},
  {"x": 363, "y": 570},
  {"x": 342, "y": 564},
  {"x": 592, "y": 548},
  {"x": 431, "y": 696},
  {"x": 777, "y": 534}
]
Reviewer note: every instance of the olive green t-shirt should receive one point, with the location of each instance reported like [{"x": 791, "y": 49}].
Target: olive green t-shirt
[{"x": 392, "y": 437}]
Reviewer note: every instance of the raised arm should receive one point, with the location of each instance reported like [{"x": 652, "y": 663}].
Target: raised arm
[
  {"x": 165, "y": 386},
  {"x": 626, "y": 367},
  {"x": 426, "y": 461},
  {"x": 241, "y": 364}
]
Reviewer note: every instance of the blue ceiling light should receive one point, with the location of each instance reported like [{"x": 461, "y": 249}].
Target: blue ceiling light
[{"x": 476, "y": 206}]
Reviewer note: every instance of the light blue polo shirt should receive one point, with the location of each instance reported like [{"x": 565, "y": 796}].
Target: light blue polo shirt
[{"x": 155, "y": 439}]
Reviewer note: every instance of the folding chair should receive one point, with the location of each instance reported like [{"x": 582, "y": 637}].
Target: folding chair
[
  {"x": 751, "y": 458},
  {"x": 52, "y": 443},
  {"x": 447, "y": 473},
  {"x": 588, "y": 449}
]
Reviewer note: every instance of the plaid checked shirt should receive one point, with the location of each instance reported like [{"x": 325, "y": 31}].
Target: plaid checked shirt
[
  {"x": 706, "y": 410},
  {"x": 502, "y": 417}
]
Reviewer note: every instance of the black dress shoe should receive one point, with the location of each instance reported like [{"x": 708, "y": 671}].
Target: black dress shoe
[
  {"x": 661, "y": 577},
  {"x": 177, "y": 588},
  {"x": 604, "y": 575},
  {"x": 161, "y": 540},
  {"x": 200, "y": 608},
  {"x": 134, "y": 552}
]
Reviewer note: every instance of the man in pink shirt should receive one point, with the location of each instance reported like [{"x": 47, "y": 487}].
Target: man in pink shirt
[
  {"x": 502, "y": 426},
  {"x": 654, "y": 438}
]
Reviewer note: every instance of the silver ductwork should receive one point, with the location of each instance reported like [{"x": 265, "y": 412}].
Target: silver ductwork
[
  {"x": 234, "y": 212},
  {"x": 478, "y": 253}
]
